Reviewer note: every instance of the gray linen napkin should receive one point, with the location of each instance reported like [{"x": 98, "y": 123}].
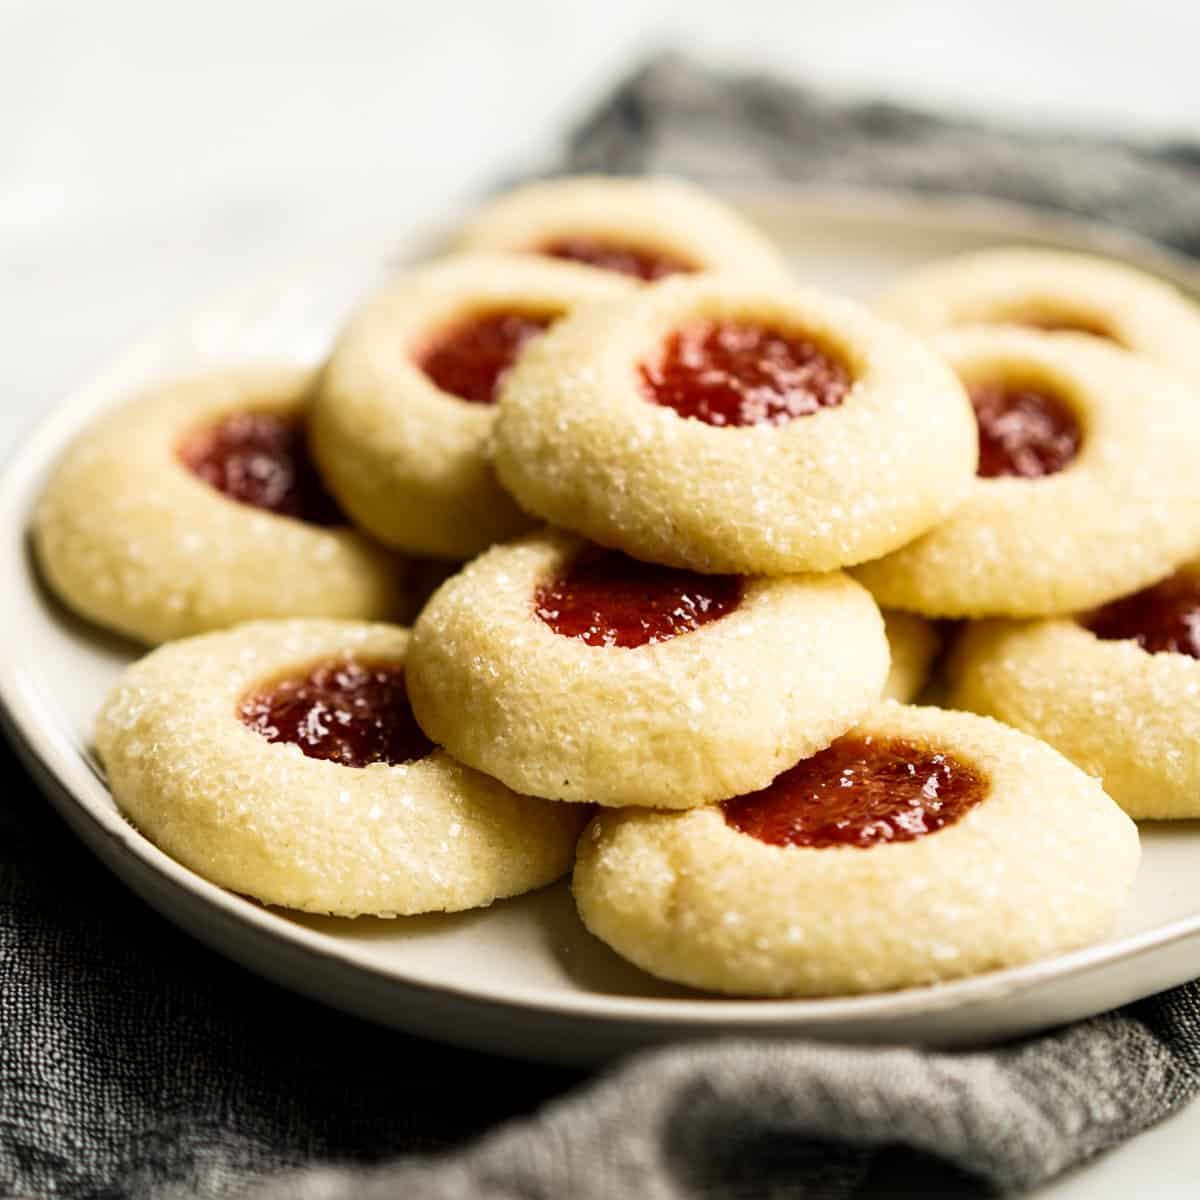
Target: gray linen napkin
[{"x": 135, "y": 1064}]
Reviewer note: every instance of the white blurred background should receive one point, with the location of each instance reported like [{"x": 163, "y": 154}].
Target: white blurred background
[{"x": 152, "y": 152}]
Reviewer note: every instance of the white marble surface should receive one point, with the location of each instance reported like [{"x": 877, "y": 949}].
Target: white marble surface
[{"x": 150, "y": 153}]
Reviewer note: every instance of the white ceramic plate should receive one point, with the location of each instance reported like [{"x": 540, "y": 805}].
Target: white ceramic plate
[{"x": 524, "y": 977}]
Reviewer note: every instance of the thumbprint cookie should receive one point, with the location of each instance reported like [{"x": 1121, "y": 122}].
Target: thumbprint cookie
[
  {"x": 280, "y": 759},
  {"x": 645, "y": 229},
  {"x": 579, "y": 674},
  {"x": 1115, "y": 689},
  {"x": 1053, "y": 291},
  {"x": 197, "y": 506},
  {"x": 914, "y": 644},
  {"x": 1087, "y": 486},
  {"x": 922, "y": 846},
  {"x": 725, "y": 426},
  {"x": 404, "y": 412}
]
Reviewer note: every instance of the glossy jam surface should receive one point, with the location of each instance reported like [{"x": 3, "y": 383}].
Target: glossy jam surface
[
  {"x": 1163, "y": 617},
  {"x": 262, "y": 459},
  {"x": 471, "y": 359},
  {"x": 732, "y": 373},
  {"x": 607, "y": 599},
  {"x": 861, "y": 791},
  {"x": 612, "y": 256},
  {"x": 1022, "y": 431},
  {"x": 346, "y": 711}
]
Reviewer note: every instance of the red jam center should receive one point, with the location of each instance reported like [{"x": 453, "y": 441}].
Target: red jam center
[
  {"x": 730, "y": 373},
  {"x": 612, "y": 256},
  {"x": 262, "y": 459},
  {"x": 861, "y": 791},
  {"x": 1163, "y": 617},
  {"x": 347, "y": 712},
  {"x": 607, "y": 599},
  {"x": 1022, "y": 431},
  {"x": 471, "y": 359}
]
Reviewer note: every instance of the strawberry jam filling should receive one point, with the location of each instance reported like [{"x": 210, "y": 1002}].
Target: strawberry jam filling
[
  {"x": 261, "y": 459},
  {"x": 607, "y": 599},
  {"x": 1163, "y": 617},
  {"x": 861, "y": 791},
  {"x": 1022, "y": 431},
  {"x": 613, "y": 256},
  {"x": 346, "y": 712},
  {"x": 734, "y": 373},
  {"x": 471, "y": 359}
]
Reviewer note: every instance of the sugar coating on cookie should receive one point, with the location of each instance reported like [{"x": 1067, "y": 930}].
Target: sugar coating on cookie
[
  {"x": 580, "y": 675},
  {"x": 926, "y": 845},
  {"x": 914, "y": 644},
  {"x": 403, "y": 415},
  {"x": 280, "y": 760},
  {"x": 1091, "y": 488},
  {"x": 726, "y": 426},
  {"x": 1117, "y": 691},
  {"x": 196, "y": 506},
  {"x": 644, "y": 229},
  {"x": 1051, "y": 290}
]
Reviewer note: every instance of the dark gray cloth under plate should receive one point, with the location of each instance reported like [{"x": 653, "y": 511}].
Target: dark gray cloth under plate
[{"x": 134, "y": 1063}]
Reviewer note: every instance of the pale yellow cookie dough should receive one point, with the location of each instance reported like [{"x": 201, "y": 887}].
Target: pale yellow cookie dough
[
  {"x": 1040, "y": 865},
  {"x": 914, "y": 644},
  {"x": 704, "y": 715},
  {"x": 663, "y": 215},
  {"x": 409, "y": 461},
  {"x": 1123, "y": 514},
  {"x": 262, "y": 818},
  {"x": 579, "y": 444},
  {"x": 1130, "y": 717},
  {"x": 128, "y": 537},
  {"x": 1053, "y": 288}
]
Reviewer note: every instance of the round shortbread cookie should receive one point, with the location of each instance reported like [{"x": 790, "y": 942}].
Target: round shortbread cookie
[
  {"x": 914, "y": 645},
  {"x": 724, "y": 426},
  {"x": 1119, "y": 508},
  {"x": 132, "y": 538},
  {"x": 1051, "y": 290},
  {"x": 739, "y": 677},
  {"x": 184, "y": 739},
  {"x": 969, "y": 847},
  {"x": 1121, "y": 712},
  {"x": 403, "y": 414},
  {"x": 643, "y": 228}
]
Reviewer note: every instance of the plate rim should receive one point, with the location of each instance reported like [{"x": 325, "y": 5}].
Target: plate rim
[{"x": 43, "y": 752}]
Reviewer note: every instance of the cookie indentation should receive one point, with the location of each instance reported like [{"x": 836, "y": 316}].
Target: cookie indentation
[
  {"x": 733, "y": 373},
  {"x": 348, "y": 712},
  {"x": 607, "y": 599},
  {"x": 262, "y": 459},
  {"x": 635, "y": 261},
  {"x": 471, "y": 359},
  {"x": 1023, "y": 431},
  {"x": 862, "y": 792}
]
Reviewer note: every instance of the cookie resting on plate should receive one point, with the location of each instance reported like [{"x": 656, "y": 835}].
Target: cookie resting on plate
[
  {"x": 645, "y": 229},
  {"x": 729, "y": 425},
  {"x": 280, "y": 759},
  {"x": 1051, "y": 290},
  {"x": 196, "y": 506},
  {"x": 1116, "y": 689},
  {"x": 1087, "y": 485},
  {"x": 924, "y": 845},
  {"x": 402, "y": 419},
  {"x": 580, "y": 674}
]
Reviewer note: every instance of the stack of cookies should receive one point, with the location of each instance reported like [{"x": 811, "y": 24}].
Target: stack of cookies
[{"x": 664, "y": 490}]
